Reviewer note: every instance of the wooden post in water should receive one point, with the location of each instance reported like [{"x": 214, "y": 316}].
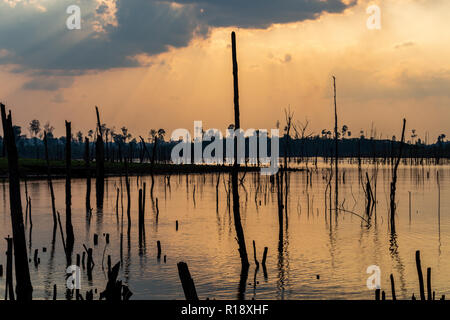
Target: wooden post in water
[
  {"x": 419, "y": 273},
  {"x": 429, "y": 295},
  {"x": 187, "y": 282},
  {"x": 78, "y": 260},
  {"x": 393, "y": 288},
  {"x": 143, "y": 206},
  {"x": 158, "y": 244},
  {"x": 69, "y": 229},
  {"x": 24, "y": 289},
  {"x": 377, "y": 294},
  {"x": 90, "y": 263},
  {"x": 9, "y": 278},
  {"x": 254, "y": 254},
  {"x": 35, "y": 258},
  {"x": 264, "y": 256}
]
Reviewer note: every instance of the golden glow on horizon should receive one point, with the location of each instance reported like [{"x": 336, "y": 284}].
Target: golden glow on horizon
[{"x": 399, "y": 71}]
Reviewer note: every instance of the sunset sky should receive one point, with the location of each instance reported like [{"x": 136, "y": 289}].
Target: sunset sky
[{"x": 163, "y": 64}]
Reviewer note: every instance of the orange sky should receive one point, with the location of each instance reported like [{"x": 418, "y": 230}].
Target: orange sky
[{"x": 383, "y": 75}]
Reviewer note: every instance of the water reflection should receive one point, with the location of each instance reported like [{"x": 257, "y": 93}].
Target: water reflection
[{"x": 306, "y": 238}]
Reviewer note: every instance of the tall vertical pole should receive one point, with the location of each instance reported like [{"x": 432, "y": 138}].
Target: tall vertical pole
[
  {"x": 234, "y": 173},
  {"x": 336, "y": 152},
  {"x": 69, "y": 229},
  {"x": 24, "y": 289}
]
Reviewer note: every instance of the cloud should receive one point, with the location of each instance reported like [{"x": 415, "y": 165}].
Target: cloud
[
  {"x": 114, "y": 32},
  {"x": 263, "y": 13},
  {"x": 48, "y": 84},
  {"x": 361, "y": 85},
  {"x": 59, "y": 98},
  {"x": 427, "y": 84}
]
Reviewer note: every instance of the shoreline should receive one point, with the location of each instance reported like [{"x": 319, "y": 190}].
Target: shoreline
[{"x": 37, "y": 169}]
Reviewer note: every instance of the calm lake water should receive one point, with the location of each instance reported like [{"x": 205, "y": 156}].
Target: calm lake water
[{"x": 339, "y": 253}]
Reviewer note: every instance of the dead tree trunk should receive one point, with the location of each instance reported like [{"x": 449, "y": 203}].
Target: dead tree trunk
[
  {"x": 420, "y": 275},
  {"x": 187, "y": 282},
  {"x": 100, "y": 163},
  {"x": 69, "y": 229},
  {"x": 127, "y": 184},
  {"x": 234, "y": 172},
  {"x": 115, "y": 290},
  {"x": 24, "y": 289},
  {"x": 9, "y": 290},
  {"x": 88, "y": 175}
]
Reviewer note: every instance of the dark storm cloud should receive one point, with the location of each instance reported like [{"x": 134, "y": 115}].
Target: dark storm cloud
[
  {"x": 39, "y": 40},
  {"x": 263, "y": 13}
]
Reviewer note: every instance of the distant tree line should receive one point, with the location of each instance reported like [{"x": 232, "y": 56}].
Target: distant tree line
[{"x": 298, "y": 143}]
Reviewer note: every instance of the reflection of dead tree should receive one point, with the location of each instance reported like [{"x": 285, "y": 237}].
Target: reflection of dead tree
[
  {"x": 217, "y": 193},
  {"x": 325, "y": 193},
  {"x": 394, "y": 180},
  {"x": 50, "y": 185},
  {"x": 353, "y": 213},
  {"x": 336, "y": 153},
  {"x": 370, "y": 199},
  {"x": 328, "y": 189}
]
